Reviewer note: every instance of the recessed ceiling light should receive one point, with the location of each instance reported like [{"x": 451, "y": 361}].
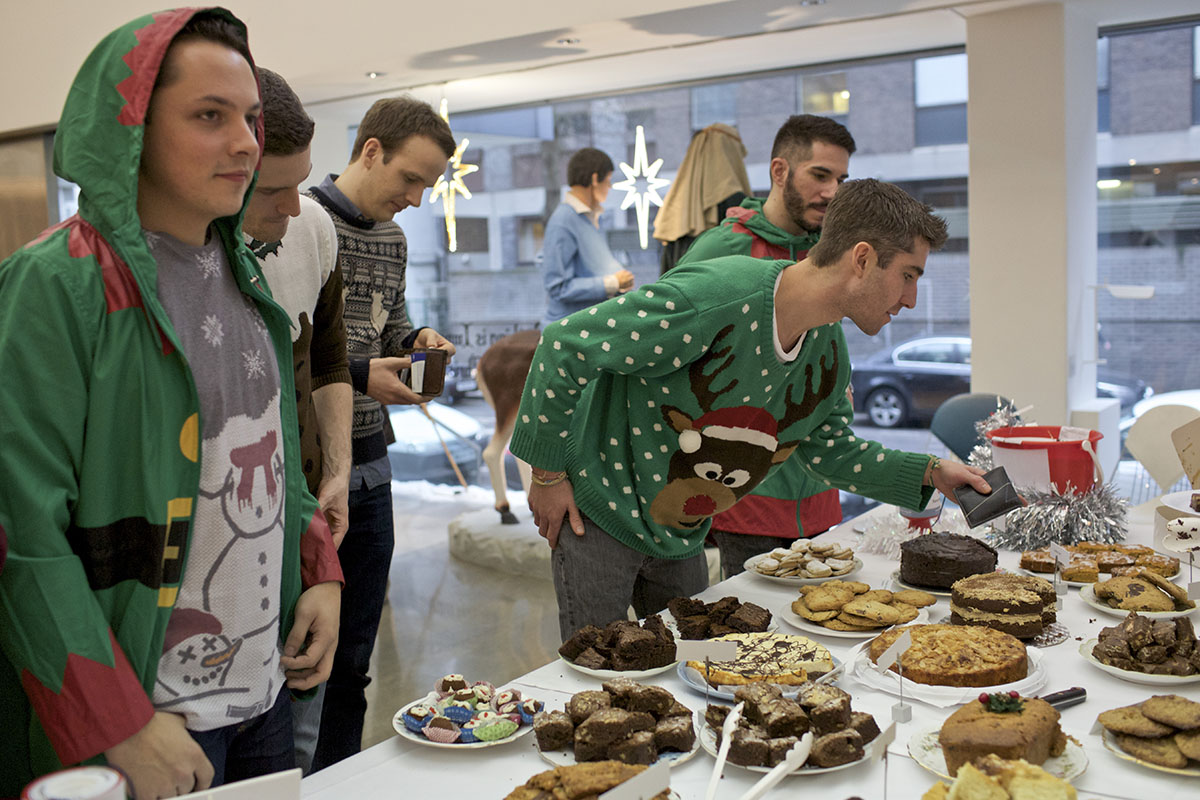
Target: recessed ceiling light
[
  {"x": 807, "y": 3},
  {"x": 566, "y": 41},
  {"x": 373, "y": 75}
]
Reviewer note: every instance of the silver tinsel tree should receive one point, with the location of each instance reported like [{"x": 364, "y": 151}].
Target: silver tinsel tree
[{"x": 1005, "y": 416}]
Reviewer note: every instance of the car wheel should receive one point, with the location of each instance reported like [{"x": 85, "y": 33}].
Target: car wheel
[{"x": 886, "y": 408}]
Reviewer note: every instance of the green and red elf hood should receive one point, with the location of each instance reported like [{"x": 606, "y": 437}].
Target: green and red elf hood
[{"x": 98, "y": 144}]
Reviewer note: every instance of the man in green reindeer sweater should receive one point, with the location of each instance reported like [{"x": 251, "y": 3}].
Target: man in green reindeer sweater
[{"x": 648, "y": 414}]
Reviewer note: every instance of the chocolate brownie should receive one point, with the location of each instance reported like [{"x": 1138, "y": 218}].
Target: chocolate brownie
[
  {"x": 832, "y": 715},
  {"x": 654, "y": 699},
  {"x": 840, "y": 747},
  {"x": 777, "y": 749},
  {"x": 553, "y": 730},
  {"x": 585, "y": 637},
  {"x": 784, "y": 717},
  {"x": 605, "y": 726},
  {"x": 748, "y": 749},
  {"x": 636, "y": 748},
  {"x": 693, "y": 627},
  {"x": 591, "y": 659},
  {"x": 865, "y": 724},
  {"x": 583, "y": 704},
  {"x": 749, "y": 619},
  {"x": 674, "y": 733},
  {"x": 681, "y": 607}
]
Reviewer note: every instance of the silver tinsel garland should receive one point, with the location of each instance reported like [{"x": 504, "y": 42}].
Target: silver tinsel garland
[
  {"x": 1003, "y": 417},
  {"x": 1097, "y": 515}
]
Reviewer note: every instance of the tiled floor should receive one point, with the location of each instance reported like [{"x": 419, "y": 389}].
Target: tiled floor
[{"x": 444, "y": 615}]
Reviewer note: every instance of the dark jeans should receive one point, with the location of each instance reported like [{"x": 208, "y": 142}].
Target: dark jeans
[
  {"x": 737, "y": 548},
  {"x": 596, "y": 579},
  {"x": 256, "y": 747},
  {"x": 366, "y": 556}
]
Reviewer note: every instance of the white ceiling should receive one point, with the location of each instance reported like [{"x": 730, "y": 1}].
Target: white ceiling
[{"x": 490, "y": 53}]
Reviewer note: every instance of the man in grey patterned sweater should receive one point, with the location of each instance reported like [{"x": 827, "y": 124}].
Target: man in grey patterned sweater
[{"x": 401, "y": 149}]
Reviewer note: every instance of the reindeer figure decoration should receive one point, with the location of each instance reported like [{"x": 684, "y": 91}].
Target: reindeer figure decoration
[
  {"x": 725, "y": 452},
  {"x": 501, "y": 373}
]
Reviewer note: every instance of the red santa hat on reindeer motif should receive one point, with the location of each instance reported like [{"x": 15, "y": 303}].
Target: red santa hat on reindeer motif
[{"x": 740, "y": 424}]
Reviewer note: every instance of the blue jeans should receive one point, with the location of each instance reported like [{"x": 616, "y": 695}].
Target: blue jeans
[
  {"x": 596, "y": 579},
  {"x": 366, "y": 556},
  {"x": 248, "y": 749}
]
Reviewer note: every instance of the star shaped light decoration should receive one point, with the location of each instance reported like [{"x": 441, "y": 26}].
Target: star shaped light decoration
[
  {"x": 636, "y": 197},
  {"x": 449, "y": 189}
]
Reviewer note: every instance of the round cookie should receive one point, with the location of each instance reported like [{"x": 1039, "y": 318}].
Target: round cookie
[
  {"x": 1171, "y": 709},
  {"x": 1163, "y": 752},
  {"x": 801, "y": 608},
  {"x": 1188, "y": 743},
  {"x": 1130, "y": 721},
  {"x": 836, "y": 624},
  {"x": 872, "y": 610},
  {"x": 914, "y": 597},
  {"x": 907, "y": 612},
  {"x": 828, "y": 597},
  {"x": 858, "y": 587},
  {"x": 878, "y": 595}
]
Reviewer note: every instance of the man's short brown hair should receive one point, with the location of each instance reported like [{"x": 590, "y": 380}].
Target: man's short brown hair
[
  {"x": 794, "y": 141},
  {"x": 289, "y": 129},
  {"x": 588, "y": 162},
  {"x": 394, "y": 119},
  {"x": 881, "y": 214},
  {"x": 210, "y": 25}
]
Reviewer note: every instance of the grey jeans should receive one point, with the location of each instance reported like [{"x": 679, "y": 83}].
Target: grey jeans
[{"x": 596, "y": 579}]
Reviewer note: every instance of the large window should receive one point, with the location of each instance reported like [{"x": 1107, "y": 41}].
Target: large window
[
  {"x": 826, "y": 95},
  {"x": 941, "y": 97},
  {"x": 1103, "y": 113}
]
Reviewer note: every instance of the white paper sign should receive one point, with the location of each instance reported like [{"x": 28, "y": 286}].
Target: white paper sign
[
  {"x": 883, "y": 741},
  {"x": 699, "y": 650},
  {"x": 1060, "y": 554},
  {"x": 1194, "y": 590},
  {"x": 890, "y": 655},
  {"x": 642, "y": 786}
]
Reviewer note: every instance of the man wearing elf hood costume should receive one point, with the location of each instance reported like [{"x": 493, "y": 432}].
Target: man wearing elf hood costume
[
  {"x": 810, "y": 159},
  {"x": 648, "y": 414},
  {"x": 168, "y": 571}
]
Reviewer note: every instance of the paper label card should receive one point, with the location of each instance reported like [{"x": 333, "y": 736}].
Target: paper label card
[
  {"x": 1194, "y": 590},
  {"x": 642, "y": 786},
  {"x": 699, "y": 650},
  {"x": 1186, "y": 439},
  {"x": 1061, "y": 556},
  {"x": 890, "y": 655},
  {"x": 883, "y": 741}
]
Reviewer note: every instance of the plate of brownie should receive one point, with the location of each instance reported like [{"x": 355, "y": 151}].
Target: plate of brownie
[
  {"x": 627, "y": 721},
  {"x": 772, "y": 723},
  {"x": 621, "y": 649},
  {"x": 1087, "y": 650},
  {"x": 693, "y": 619}
]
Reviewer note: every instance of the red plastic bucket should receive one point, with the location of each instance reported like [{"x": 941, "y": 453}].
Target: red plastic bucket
[{"x": 1037, "y": 456}]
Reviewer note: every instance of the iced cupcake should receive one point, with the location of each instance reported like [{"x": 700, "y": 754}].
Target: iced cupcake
[
  {"x": 417, "y": 716},
  {"x": 458, "y": 711},
  {"x": 493, "y": 729},
  {"x": 449, "y": 684},
  {"x": 528, "y": 709},
  {"x": 441, "y": 730}
]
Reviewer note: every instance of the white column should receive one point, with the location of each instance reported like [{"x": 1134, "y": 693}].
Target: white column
[{"x": 1031, "y": 123}]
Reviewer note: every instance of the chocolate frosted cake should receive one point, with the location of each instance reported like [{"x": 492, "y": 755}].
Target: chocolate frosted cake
[
  {"x": 1021, "y": 605},
  {"x": 939, "y": 559}
]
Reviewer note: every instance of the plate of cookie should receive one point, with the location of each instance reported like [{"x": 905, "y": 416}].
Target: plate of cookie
[
  {"x": 806, "y": 561},
  {"x": 1151, "y": 679},
  {"x": 1118, "y": 596},
  {"x": 1161, "y": 733},
  {"x": 853, "y": 610}
]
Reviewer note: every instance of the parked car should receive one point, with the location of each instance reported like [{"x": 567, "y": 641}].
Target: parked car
[
  {"x": 908, "y": 382},
  {"x": 417, "y": 454}
]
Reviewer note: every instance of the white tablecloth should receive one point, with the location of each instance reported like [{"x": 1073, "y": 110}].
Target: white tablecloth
[{"x": 399, "y": 768}]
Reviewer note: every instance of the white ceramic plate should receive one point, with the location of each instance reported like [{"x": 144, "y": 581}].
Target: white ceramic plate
[
  {"x": 1181, "y": 502},
  {"x": 895, "y": 577},
  {"x": 634, "y": 674},
  {"x": 708, "y": 739},
  {"x": 1085, "y": 650},
  {"x": 566, "y": 758},
  {"x": 924, "y": 748},
  {"x": 813, "y": 629},
  {"x": 1088, "y": 595},
  {"x": 399, "y": 727},
  {"x": 794, "y": 581},
  {"x": 695, "y": 680},
  {"x": 1110, "y": 743}
]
